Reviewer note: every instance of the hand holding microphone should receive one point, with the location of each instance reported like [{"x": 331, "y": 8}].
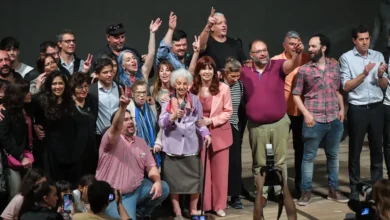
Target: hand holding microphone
[{"x": 180, "y": 112}]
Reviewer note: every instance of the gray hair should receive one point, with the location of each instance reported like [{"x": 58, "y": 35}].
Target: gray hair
[
  {"x": 62, "y": 33},
  {"x": 232, "y": 65},
  {"x": 218, "y": 14},
  {"x": 181, "y": 73},
  {"x": 292, "y": 34}
]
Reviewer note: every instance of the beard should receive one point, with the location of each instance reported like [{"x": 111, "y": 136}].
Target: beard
[
  {"x": 316, "y": 56},
  {"x": 3, "y": 72},
  {"x": 260, "y": 62}
]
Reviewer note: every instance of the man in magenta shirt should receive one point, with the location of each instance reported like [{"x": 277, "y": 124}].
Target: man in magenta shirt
[
  {"x": 123, "y": 161},
  {"x": 265, "y": 105}
]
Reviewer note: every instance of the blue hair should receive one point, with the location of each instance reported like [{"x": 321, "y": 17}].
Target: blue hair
[{"x": 122, "y": 75}]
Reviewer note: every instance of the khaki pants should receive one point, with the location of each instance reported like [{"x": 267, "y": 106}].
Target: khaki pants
[{"x": 275, "y": 134}]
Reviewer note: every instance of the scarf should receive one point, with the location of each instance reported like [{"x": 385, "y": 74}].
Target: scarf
[
  {"x": 173, "y": 104},
  {"x": 146, "y": 127}
]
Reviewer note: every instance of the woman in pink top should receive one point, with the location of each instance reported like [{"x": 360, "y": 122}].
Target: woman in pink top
[
  {"x": 31, "y": 178},
  {"x": 217, "y": 110}
]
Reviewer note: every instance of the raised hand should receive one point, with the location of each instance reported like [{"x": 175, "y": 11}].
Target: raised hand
[
  {"x": 212, "y": 20},
  {"x": 40, "y": 80},
  {"x": 123, "y": 100},
  {"x": 172, "y": 21},
  {"x": 381, "y": 69},
  {"x": 368, "y": 68},
  {"x": 196, "y": 44},
  {"x": 298, "y": 48},
  {"x": 87, "y": 63},
  {"x": 155, "y": 25}
]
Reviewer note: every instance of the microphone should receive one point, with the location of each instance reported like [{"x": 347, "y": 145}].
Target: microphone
[{"x": 182, "y": 106}]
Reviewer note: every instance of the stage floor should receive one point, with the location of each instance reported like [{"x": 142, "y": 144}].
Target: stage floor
[{"x": 320, "y": 207}]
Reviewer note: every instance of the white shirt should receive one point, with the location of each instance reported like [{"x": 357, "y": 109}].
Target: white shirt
[{"x": 24, "y": 69}]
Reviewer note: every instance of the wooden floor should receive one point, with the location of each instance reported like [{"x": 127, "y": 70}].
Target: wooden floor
[{"x": 320, "y": 207}]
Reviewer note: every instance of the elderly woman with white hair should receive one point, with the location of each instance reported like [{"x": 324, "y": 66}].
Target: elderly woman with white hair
[{"x": 182, "y": 141}]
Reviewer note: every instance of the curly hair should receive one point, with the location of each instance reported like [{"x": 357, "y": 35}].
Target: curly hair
[
  {"x": 40, "y": 65},
  {"x": 14, "y": 98},
  {"x": 202, "y": 63},
  {"x": 49, "y": 101},
  {"x": 157, "y": 82},
  {"x": 77, "y": 79}
]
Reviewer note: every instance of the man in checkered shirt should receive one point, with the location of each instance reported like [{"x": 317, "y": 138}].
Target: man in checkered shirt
[{"x": 323, "y": 109}]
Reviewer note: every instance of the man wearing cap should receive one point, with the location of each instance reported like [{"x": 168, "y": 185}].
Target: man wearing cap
[
  {"x": 116, "y": 39},
  {"x": 296, "y": 117}
]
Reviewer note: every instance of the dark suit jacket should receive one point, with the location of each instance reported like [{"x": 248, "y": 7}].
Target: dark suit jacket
[
  {"x": 386, "y": 54},
  {"x": 94, "y": 94}
]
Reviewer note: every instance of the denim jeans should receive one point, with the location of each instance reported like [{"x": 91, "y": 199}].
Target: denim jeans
[
  {"x": 331, "y": 133},
  {"x": 139, "y": 203}
]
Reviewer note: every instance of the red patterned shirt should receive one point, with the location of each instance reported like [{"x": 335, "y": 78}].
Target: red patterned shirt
[{"x": 319, "y": 88}]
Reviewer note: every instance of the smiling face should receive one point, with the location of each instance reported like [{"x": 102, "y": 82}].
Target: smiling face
[
  {"x": 5, "y": 64},
  {"x": 13, "y": 53},
  {"x": 207, "y": 73},
  {"x": 58, "y": 86},
  {"x": 129, "y": 62},
  {"x": 181, "y": 86},
  {"x": 164, "y": 73},
  {"x": 116, "y": 42},
  {"x": 179, "y": 48},
  {"x": 81, "y": 91},
  {"x": 259, "y": 53},
  {"x": 106, "y": 75}
]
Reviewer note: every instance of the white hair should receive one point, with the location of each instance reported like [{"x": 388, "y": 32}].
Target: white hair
[
  {"x": 180, "y": 73},
  {"x": 218, "y": 14}
]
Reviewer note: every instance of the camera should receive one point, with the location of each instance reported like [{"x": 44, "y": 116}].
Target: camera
[
  {"x": 272, "y": 178},
  {"x": 363, "y": 209}
]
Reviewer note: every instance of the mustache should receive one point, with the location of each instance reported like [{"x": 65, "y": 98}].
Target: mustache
[{"x": 5, "y": 67}]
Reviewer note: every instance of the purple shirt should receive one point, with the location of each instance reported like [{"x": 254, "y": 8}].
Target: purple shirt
[
  {"x": 184, "y": 137},
  {"x": 265, "y": 102}
]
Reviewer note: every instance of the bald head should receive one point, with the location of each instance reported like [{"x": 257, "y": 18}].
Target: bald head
[
  {"x": 259, "y": 52},
  {"x": 5, "y": 64}
]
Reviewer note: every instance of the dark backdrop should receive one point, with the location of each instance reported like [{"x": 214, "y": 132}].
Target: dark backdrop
[{"x": 35, "y": 21}]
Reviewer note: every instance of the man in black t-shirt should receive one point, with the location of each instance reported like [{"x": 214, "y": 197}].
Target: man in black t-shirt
[{"x": 219, "y": 46}]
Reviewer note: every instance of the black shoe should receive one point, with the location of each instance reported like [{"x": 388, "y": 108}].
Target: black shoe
[
  {"x": 235, "y": 202},
  {"x": 354, "y": 196}
]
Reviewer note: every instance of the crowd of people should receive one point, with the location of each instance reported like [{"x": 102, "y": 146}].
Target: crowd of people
[{"x": 141, "y": 127}]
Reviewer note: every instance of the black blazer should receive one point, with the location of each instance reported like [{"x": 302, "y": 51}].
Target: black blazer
[
  {"x": 386, "y": 54},
  {"x": 13, "y": 135},
  {"x": 94, "y": 95}
]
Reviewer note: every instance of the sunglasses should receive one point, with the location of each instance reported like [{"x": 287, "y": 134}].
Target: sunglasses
[{"x": 116, "y": 27}]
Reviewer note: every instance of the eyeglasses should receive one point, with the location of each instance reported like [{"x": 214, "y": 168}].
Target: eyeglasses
[
  {"x": 50, "y": 63},
  {"x": 82, "y": 87},
  {"x": 259, "y": 51},
  {"x": 140, "y": 93},
  {"x": 116, "y": 27},
  {"x": 69, "y": 41}
]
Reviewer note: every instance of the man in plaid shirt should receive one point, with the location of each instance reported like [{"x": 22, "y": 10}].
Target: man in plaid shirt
[{"x": 323, "y": 110}]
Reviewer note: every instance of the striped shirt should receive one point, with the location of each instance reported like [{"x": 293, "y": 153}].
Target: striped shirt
[{"x": 236, "y": 92}]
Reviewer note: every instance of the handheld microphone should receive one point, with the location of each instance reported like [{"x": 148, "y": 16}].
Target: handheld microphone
[{"x": 182, "y": 106}]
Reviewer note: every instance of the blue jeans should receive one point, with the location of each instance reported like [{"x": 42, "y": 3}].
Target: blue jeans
[
  {"x": 331, "y": 133},
  {"x": 139, "y": 203}
]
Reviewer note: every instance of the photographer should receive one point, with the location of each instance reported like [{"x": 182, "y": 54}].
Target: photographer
[
  {"x": 378, "y": 207},
  {"x": 287, "y": 198},
  {"x": 98, "y": 197}
]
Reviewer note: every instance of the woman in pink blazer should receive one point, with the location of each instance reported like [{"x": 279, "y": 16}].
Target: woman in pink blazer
[{"x": 217, "y": 109}]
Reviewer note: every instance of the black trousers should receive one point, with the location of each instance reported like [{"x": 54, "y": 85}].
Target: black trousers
[
  {"x": 296, "y": 127},
  {"x": 362, "y": 119},
  {"x": 235, "y": 164},
  {"x": 386, "y": 138}
]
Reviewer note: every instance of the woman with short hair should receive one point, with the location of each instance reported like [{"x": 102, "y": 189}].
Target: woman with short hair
[{"x": 182, "y": 142}]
